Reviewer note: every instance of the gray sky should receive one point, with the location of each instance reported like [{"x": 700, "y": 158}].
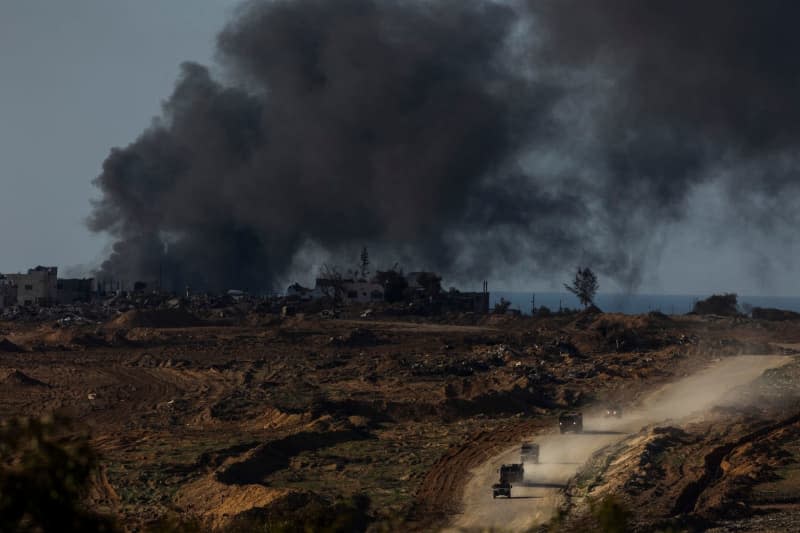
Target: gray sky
[{"x": 77, "y": 78}]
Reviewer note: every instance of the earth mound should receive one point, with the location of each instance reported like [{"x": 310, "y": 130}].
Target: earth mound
[
  {"x": 15, "y": 377},
  {"x": 218, "y": 504},
  {"x": 768, "y": 313}
]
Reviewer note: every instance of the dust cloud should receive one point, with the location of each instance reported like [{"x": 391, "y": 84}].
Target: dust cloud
[{"x": 536, "y": 500}]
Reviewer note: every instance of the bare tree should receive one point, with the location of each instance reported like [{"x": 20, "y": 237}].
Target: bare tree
[
  {"x": 584, "y": 286},
  {"x": 331, "y": 283}
]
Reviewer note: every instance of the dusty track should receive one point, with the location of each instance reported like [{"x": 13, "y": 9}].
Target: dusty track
[{"x": 536, "y": 500}]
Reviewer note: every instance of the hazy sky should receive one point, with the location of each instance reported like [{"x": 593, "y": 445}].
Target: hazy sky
[{"x": 79, "y": 77}]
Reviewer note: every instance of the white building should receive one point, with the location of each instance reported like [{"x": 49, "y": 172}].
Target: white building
[
  {"x": 362, "y": 291},
  {"x": 350, "y": 291}
]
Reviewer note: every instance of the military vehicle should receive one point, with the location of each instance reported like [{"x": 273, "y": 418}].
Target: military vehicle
[
  {"x": 501, "y": 489},
  {"x": 570, "y": 422},
  {"x": 614, "y": 410},
  {"x": 529, "y": 453},
  {"x": 512, "y": 473}
]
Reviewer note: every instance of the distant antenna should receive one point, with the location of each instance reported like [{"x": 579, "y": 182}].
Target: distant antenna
[{"x": 533, "y": 304}]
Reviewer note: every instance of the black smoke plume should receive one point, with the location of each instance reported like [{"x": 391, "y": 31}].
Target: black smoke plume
[{"x": 470, "y": 136}]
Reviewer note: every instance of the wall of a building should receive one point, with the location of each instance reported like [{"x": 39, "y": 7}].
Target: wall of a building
[
  {"x": 8, "y": 293},
  {"x": 37, "y": 287},
  {"x": 362, "y": 291}
]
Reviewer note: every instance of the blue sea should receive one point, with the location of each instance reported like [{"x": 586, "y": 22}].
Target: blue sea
[{"x": 670, "y": 304}]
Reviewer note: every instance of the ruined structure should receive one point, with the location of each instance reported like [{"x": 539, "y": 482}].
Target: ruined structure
[
  {"x": 422, "y": 288},
  {"x": 362, "y": 291},
  {"x": 75, "y": 290},
  {"x": 8, "y": 292},
  {"x": 38, "y": 287}
]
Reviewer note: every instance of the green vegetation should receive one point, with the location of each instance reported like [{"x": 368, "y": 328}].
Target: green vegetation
[
  {"x": 584, "y": 286},
  {"x": 44, "y": 477}
]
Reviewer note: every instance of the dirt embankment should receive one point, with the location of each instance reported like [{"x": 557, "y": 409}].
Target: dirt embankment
[
  {"x": 736, "y": 468},
  {"x": 536, "y": 500},
  {"x": 440, "y": 493},
  {"x": 188, "y": 416}
]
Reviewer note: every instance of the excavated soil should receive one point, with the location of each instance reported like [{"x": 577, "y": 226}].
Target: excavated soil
[
  {"x": 213, "y": 422},
  {"x": 735, "y": 467}
]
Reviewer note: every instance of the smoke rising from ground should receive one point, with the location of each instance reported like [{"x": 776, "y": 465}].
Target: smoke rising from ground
[{"x": 469, "y": 136}]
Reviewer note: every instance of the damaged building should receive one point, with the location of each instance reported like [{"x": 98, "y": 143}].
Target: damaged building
[
  {"x": 38, "y": 287},
  {"x": 77, "y": 290},
  {"x": 346, "y": 290},
  {"x": 8, "y": 292},
  {"x": 41, "y": 286},
  {"x": 416, "y": 287},
  {"x": 362, "y": 291}
]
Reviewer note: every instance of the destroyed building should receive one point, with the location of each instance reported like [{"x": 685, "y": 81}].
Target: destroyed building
[
  {"x": 38, "y": 287},
  {"x": 362, "y": 291},
  {"x": 420, "y": 287},
  {"x": 8, "y": 292},
  {"x": 297, "y": 291},
  {"x": 346, "y": 290},
  {"x": 470, "y": 302},
  {"x": 76, "y": 290},
  {"x": 41, "y": 286},
  {"x": 417, "y": 280}
]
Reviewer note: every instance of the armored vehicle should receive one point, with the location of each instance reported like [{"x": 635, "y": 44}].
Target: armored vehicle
[
  {"x": 501, "y": 489},
  {"x": 570, "y": 422},
  {"x": 512, "y": 473},
  {"x": 529, "y": 453}
]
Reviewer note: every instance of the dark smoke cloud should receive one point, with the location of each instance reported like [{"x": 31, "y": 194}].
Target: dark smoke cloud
[
  {"x": 465, "y": 135},
  {"x": 693, "y": 93}
]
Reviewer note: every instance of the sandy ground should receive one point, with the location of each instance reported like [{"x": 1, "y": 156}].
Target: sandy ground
[{"x": 536, "y": 500}]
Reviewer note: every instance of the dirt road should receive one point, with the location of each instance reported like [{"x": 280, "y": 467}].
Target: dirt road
[{"x": 536, "y": 499}]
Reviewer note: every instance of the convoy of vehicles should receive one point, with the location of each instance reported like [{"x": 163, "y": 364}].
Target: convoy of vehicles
[
  {"x": 529, "y": 451},
  {"x": 510, "y": 473}
]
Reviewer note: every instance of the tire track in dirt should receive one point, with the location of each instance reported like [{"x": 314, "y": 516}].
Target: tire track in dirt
[
  {"x": 687, "y": 500},
  {"x": 442, "y": 488},
  {"x": 538, "y": 497}
]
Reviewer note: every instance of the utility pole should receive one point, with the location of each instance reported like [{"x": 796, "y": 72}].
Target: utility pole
[{"x": 533, "y": 304}]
